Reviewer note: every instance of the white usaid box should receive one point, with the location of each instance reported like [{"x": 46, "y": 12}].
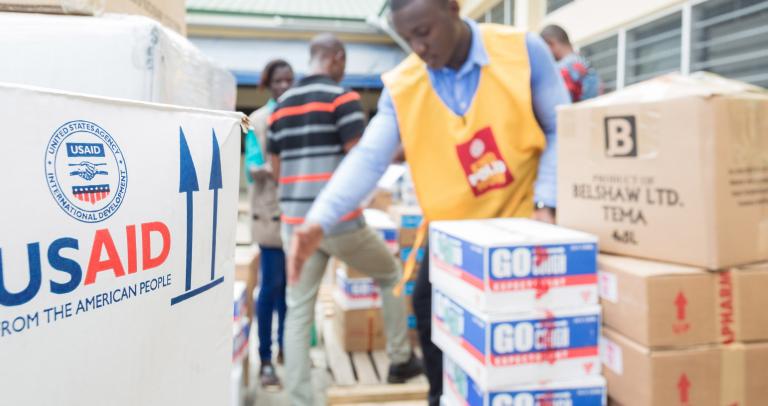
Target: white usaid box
[
  {"x": 460, "y": 390},
  {"x": 356, "y": 293},
  {"x": 513, "y": 264},
  {"x": 128, "y": 57},
  {"x": 511, "y": 348},
  {"x": 116, "y": 251}
]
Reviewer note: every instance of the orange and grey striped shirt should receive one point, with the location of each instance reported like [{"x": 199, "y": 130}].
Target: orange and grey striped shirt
[{"x": 308, "y": 130}]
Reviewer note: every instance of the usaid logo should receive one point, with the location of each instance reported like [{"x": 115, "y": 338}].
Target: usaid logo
[
  {"x": 85, "y": 171},
  {"x": 620, "y": 137}
]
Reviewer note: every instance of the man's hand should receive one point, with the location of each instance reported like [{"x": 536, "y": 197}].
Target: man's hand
[
  {"x": 261, "y": 172},
  {"x": 306, "y": 238},
  {"x": 544, "y": 214}
]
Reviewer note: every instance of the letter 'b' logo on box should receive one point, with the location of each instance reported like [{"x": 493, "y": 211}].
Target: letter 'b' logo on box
[{"x": 620, "y": 137}]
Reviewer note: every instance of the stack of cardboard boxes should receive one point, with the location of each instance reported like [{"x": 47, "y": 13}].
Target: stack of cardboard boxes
[
  {"x": 515, "y": 312},
  {"x": 357, "y": 310},
  {"x": 675, "y": 170},
  {"x": 408, "y": 220},
  {"x": 357, "y": 299}
]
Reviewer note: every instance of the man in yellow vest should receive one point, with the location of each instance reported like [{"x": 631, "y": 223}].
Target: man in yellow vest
[{"x": 474, "y": 109}]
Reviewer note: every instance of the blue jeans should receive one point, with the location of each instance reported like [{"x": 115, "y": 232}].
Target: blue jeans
[{"x": 271, "y": 298}]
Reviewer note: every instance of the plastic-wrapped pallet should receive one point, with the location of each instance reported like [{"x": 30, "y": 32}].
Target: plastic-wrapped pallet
[
  {"x": 171, "y": 13},
  {"x": 121, "y": 56}
]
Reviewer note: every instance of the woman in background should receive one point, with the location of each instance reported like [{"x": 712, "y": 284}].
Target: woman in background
[{"x": 265, "y": 223}]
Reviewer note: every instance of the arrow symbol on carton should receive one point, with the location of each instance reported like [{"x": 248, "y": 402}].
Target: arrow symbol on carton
[
  {"x": 684, "y": 385},
  {"x": 187, "y": 184},
  {"x": 215, "y": 185},
  {"x": 680, "y": 303}
]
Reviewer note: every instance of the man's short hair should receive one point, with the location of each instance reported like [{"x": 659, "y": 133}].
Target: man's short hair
[
  {"x": 324, "y": 44},
  {"x": 556, "y": 33}
]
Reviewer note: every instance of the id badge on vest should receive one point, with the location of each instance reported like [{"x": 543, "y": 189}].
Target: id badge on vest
[{"x": 483, "y": 164}]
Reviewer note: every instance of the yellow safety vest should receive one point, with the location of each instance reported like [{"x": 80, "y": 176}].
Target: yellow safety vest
[{"x": 482, "y": 164}]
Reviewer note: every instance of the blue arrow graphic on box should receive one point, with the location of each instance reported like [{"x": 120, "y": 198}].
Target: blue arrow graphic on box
[
  {"x": 215, "y": 185},
  {"x": 188, "y": 184}
]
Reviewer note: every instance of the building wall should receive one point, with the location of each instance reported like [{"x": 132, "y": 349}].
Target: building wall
[
  {"x": 579, "y": 16},
  {"x": 628, "y": 41},
  {"x": 587, "y": 20}
]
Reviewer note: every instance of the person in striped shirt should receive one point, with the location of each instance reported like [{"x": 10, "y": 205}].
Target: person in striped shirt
[{"x": 310, "y": 131}]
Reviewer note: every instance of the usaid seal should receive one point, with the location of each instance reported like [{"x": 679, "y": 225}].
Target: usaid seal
[{"x": 85, "y": 171}]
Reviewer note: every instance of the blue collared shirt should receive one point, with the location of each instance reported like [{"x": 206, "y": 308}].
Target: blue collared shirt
[{"x": 358, "y": 174}]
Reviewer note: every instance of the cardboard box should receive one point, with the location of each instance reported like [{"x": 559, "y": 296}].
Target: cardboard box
[
  {"x": 359, "y": 330},
  {"x": 381, "y": 200},
  {"x": 126, "y": 57},
  {"x": 241, "y": 332},
  {"x": 171, "y": 13},
  {"x": 749, "y": 285},
  {"x": 753, "y": 390},
  {"x": 356, "y": 293},
  {"x": 383, "y": 224},
  {"x": 406, "y": 251},
  {"x": 460, "y": 389},
  {"x": 247, "y": 264},
  {"x": 663, "y": 305},
  {"x": 659, "y": 304},
  {"x": 406, "y": 237},
  {"x": 710, "y": 375},
  {"x": 513, "y": 264},
  {"x": 136, "y": 293},
  {"x": 513, "y": 348},
  {"x": 407, "y": 219},
  {"x": 239, "y": 300},
  {"x": 672, "y": 169}
]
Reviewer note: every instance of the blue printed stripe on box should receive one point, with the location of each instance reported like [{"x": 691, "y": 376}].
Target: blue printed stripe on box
[
  {"x": 388, "y": 235},
  {"x": 410, "y": 220},
  {"x": 585, "y": 392},
  {"x": 406, "y": 251},
  {"x": 522, "y": 341},
  {"x": 365, "y": 288},
  {"x": 412, "y": 321},
  {"x": 485, "y": 253}
]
